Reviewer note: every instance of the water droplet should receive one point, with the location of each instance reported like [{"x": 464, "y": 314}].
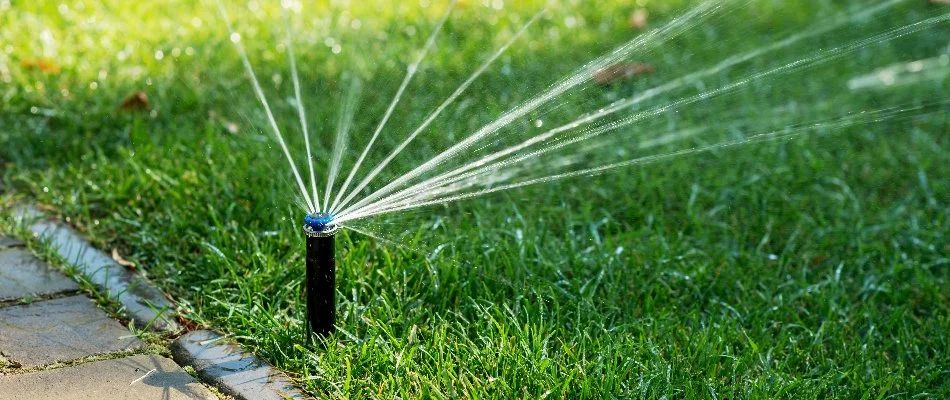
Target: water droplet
[
  {"x": 887, "y": 77},
  {"x": 570, "y": 21},
  {"x": 159, "y": 55},
  {"x": 235, "y": 37},
  {"x": 538, "y": 123},
  {"x": 47, "y": 37}
]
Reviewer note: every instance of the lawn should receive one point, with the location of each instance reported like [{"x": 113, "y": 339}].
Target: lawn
[{"x": 811, "y": 266}]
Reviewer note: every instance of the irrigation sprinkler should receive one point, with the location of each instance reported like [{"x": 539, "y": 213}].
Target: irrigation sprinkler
[{"x": 321, "y": 274}]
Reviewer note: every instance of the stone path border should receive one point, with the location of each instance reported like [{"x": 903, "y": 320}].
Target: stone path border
[
  {"x": 59, "y": 330},
  {"x": 63, "y": 346},
  {"x": 136, "y": 377},
  {"x": 23, "y": 275},
  {"x": 233, "y": 371},
  {"x": 144, "y": 304},
  {"x": 8, "y": 242},
  {"x": 226, "y": 366}
]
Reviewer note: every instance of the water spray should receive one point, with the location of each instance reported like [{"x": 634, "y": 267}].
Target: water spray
[
  {"x": 321, "y": 274},
  {"x": 455, "y": 174}
]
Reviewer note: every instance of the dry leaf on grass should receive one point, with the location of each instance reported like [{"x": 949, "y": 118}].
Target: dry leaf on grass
[
  {"x": 40, "y": 64},
  {"x": 187, "y": 323},
  {"x": 137, "y": 101},
  {"x": 621, "y": 72},
  {"x": 121, "y": 261}
]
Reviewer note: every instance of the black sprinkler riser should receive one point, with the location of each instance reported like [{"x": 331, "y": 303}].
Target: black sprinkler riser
[
  {"x": 321, "y": 279},
  {"x": 321, "y": 284}
]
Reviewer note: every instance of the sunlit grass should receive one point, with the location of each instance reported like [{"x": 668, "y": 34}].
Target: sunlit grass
[{"x": 811, "y": 268}]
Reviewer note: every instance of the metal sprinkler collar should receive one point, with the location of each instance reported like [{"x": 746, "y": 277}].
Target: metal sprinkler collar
[{"x": 319, "y": 225}]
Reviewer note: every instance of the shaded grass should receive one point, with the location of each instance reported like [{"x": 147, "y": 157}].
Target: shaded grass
[{"x": 809, "y": 268}]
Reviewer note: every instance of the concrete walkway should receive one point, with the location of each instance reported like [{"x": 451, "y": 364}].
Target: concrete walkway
[
  {"x": 56, "y": 344},
  {"x": 48, "y": 329}
]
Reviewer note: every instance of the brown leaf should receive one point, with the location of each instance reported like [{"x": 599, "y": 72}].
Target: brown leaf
[
  {"x": 137, "y": 101},
  {"x": 620, "y": 72},
  {"x": 187, "y": 323},
  {"x": 40, "y": 64},
  {"x": 638, "y": 18},
  {"x": 121, "y": 261}
]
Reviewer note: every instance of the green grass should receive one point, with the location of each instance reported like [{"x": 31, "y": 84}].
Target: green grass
[{"x": 807, "y": 268}]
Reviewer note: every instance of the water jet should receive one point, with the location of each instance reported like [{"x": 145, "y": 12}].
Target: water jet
[
  {"x": 320, "y": 229},
  {"x": 502, "y": 154}
]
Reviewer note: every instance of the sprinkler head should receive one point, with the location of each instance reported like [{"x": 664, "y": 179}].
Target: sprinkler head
[{"x": 319, "y": 225}]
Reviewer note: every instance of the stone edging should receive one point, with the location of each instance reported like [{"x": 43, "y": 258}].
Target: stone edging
[
  {"x": 144, "y": 304},
  {"x": 233, "y": 371},
  {"x": 226, "y": 366}
]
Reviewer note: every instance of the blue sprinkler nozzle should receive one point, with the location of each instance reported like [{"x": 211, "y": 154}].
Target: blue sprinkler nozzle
[{"x": 319, "y": 223}]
